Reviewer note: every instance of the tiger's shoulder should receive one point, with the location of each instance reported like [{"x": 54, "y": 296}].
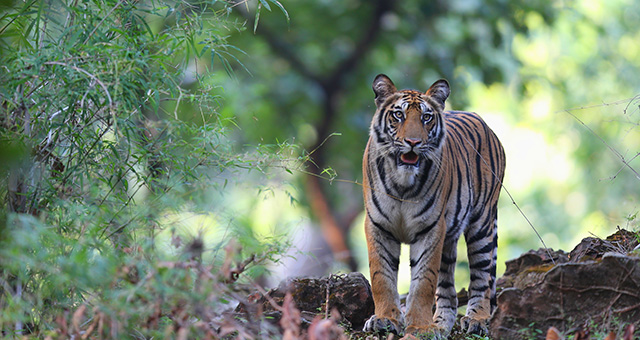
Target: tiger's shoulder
[{"x": 467, "y": 121}]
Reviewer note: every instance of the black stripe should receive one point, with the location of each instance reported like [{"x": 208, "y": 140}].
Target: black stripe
[
  {"x": 425, "y": 230},
  {"x": 385, "y": 274},
  {"x": 382, "y": 173},
  {"x": 448, "y": 260},
  {"x": 381, "y": 228},
  {"x": 475, "y": 217},
  {"x": 474, "y": 277},
  {"x": 424, "y": 175},
  {"x": 479, "y": 166},
  {"x": 480, "y": 264},
  {"x": 392, "y": 261},
  {"x": 378, "y": 135},
  {"x": 445, "y": 284},
  {"x": 374, "y": 198},
  {"x": 479, "y": 235},
  {"x": 458, "y": 208},
  {"x": 384, "y": 111},
  {"x": 486, "y": 249},
  {"x": 426, "y": 206}
]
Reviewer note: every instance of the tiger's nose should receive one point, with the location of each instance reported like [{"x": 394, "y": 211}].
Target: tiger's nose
[{"x": 412, "y": 142}]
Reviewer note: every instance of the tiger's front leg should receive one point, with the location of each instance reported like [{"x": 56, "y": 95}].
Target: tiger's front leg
[
  {"x": 384, "y": 259},
  {"x": 425, "y": 254}
]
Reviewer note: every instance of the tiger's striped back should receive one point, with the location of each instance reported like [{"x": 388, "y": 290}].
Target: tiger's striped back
[{"x": 430, "y": 176}]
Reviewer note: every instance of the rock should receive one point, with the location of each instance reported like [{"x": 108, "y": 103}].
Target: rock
[
  {"x": 596, "y": 283},
  {"x": 529, "y": 268},
  {"x": 592, "y": 248},
  {"x": 350, "y": 295}
]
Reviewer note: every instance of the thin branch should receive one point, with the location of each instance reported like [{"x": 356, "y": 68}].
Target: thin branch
[
  {"x": 627, "y": 101},
  {"x": 614, "y": 151},
  {"x": 75, "y": 68},
  {"x": 101, "y": 21},
  {"x": 104, "y": 88},
  {"x": 636, "y": 98}
]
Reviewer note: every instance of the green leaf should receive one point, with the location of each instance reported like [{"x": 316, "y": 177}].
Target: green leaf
[
  {"x": 257, "y": 18},
  {"x": 286, "y": 14},
  {"x": 265, "y": 4}
]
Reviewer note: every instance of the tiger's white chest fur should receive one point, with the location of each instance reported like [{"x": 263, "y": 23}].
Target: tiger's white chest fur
[
  {"x": 404, "y": 224},
  {"x": 405, "y": 176}
]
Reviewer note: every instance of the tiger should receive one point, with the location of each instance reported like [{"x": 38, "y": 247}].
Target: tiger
[{"x": 428, "y": 177}]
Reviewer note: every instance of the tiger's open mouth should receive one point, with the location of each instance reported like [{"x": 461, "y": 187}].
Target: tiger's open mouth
[{"x": 409, "y": 158}]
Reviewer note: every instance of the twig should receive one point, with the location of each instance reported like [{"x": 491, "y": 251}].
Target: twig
[
  {"x": 326, "y": 300},
  {"x": 628, "y": 101},
  {"x": 96, "y": 79},
  {"x": 614, "y": 151},
  {"x": 16, "y": 16},
  {"x": 269, "y": 299},
  {"x": 637, "y": 97},
  {"x": 108, "y": 15},
  {"x": 87, "y": 74}
]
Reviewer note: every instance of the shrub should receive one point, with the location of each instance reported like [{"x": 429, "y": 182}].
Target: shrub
[{"x": 108, "y": 126}]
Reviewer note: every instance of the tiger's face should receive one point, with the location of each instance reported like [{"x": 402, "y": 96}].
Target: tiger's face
[{"x": 408, "y": 124}]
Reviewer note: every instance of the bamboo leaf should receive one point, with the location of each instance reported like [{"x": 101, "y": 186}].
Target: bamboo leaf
[
  {"x": 265, "y": 3},
  {"x": 286, "y": 14},
  {"x": 257, "y": 18}
]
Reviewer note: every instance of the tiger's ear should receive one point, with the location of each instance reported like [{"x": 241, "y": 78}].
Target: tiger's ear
[
  {"x": 439, "y": 91},
  {"x": 382, "y": 87}
]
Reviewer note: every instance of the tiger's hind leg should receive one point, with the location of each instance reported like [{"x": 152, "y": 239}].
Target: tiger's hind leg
[
  {"x": 446, "y": 297},
  {"x": 482, "y": 246}
]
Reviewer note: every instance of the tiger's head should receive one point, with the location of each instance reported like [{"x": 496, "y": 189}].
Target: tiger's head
[{"x": 409, "y": 124}]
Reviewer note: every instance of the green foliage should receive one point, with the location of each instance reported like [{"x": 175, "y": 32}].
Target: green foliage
[
  {"x": 108, "y": 130},
  {"x": 532, "y": 332}
]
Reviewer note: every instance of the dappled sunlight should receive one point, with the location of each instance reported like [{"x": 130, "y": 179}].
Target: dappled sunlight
[
  {"x": 252, "y": 217},
  {"x": 529, "y": 157},
  {"x": 529, "y": 152},
  {"x": 270, "y": 212},
  {"x": 179, "y": 229}
]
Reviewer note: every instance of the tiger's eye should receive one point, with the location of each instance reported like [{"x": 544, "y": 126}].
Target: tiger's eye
[
  {"x": 398, "y": 115},
  {"x": 427, "y": 117}
]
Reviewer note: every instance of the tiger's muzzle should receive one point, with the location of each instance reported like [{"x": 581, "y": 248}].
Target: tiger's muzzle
[{"x": 408, "y": 155}]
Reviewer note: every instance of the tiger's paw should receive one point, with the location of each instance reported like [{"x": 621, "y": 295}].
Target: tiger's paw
[
  {"x": 383, "y": 325},
  {"x": 474, "y": 326},
  {"x": 431, "y": 332}
]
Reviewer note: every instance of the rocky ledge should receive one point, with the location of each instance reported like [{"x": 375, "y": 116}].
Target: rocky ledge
[{"x": 596, "y": 285}]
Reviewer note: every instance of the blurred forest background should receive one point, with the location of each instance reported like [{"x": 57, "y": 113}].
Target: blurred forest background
[
  {"x": 145, "y": 142},
  {"x": 556, "y": 80}
]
